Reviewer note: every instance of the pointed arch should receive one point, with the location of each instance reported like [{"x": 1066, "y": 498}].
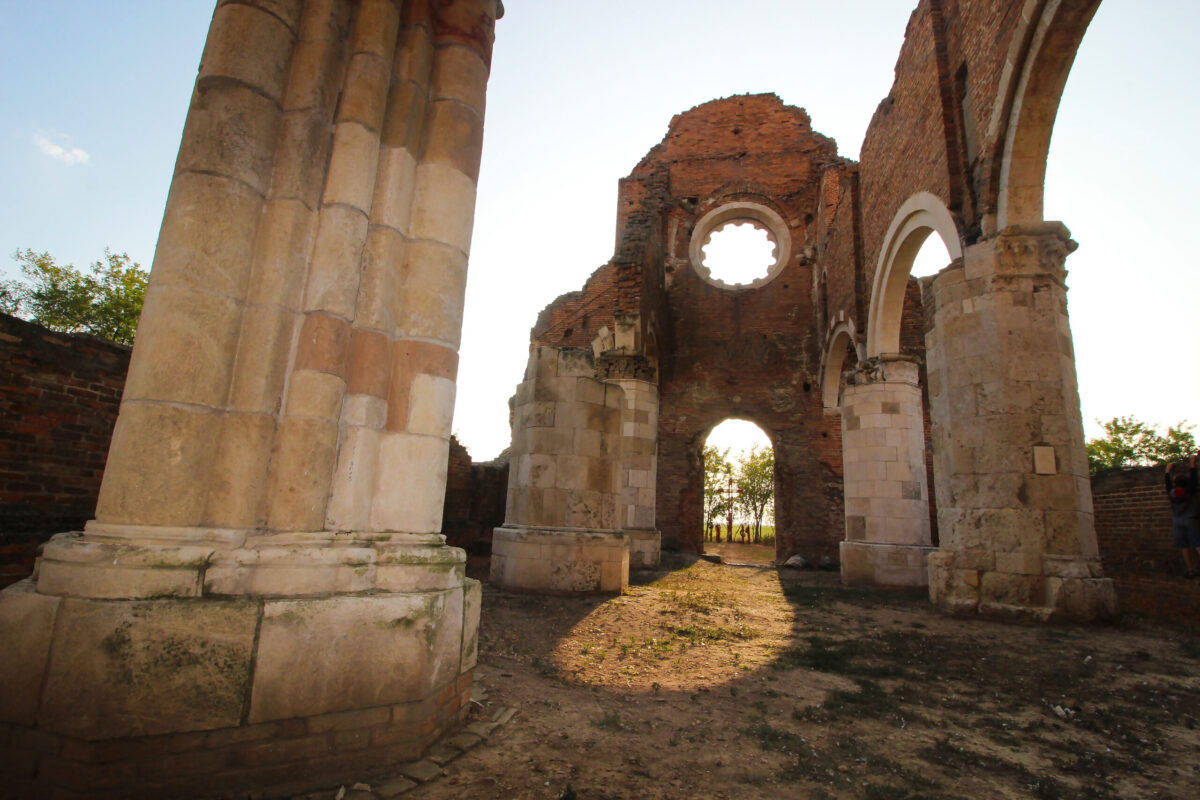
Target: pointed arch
[
  {"x": 918, "y": 217},
  {"x": 1039, "y": 60},
  {"x": 840, "y": 340}
]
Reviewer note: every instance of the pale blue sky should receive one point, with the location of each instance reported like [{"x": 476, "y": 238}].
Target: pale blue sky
[{"x": 579, "y": 92}]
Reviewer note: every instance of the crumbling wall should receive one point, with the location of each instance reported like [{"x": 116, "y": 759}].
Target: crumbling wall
[
  {"x": 58, "y": 402},
  {"x": 475, "y": 494},
  {"x": 1133, "y": 529}
]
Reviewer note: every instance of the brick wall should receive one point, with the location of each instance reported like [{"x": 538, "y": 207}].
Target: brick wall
[
  {"x": 58, "y": 402},
  {"x": 1133, "y": 529},
  {"x": 475, "y": 496}
]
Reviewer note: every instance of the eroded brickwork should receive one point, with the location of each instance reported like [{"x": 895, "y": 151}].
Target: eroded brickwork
[
  {"x": 58, "y": 402},
  {"x": 475, "y": 495}
]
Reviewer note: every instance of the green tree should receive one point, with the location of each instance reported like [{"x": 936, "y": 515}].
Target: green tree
[
  {"x": 1129, "y": 442},
  {"x": 717, "y": 470},
  {"x": 105, "y": 302},
  {"x": 756, "y": 485}
]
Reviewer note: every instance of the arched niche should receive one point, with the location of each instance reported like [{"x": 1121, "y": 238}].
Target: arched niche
[{"x": 920, "y": 216}]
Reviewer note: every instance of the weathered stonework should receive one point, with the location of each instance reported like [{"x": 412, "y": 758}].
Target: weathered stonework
[
  {"x": 263, "y": 597},
  {"x": 887, "y": 500},
  {"x": 275, "y": 481},
  {"x": 1015, "y": 507},
  {"x": 561, "y": 531}
]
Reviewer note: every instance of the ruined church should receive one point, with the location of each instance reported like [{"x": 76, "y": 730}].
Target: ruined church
[{"x": 274, "y": 487}]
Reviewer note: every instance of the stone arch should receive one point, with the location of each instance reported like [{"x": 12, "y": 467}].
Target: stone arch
[
  {"x": 1039, "y": 61},
  {"x": 842, "y": 337},
  {"x": 918, "y": 217}
]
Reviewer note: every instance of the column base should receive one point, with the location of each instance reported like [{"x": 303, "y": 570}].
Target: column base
[
  {"x": 296, "y": 564},
  {"x": 645, "y": 548},
  {"x": 559, "y": 560},
  {"x": 194, "y": 682},
  {"x": 872, "y": 564},
  {"x": 1028, "y": 586}
]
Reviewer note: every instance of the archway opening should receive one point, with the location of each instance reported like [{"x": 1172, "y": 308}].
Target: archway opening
[{"x": 739, "y": 492}]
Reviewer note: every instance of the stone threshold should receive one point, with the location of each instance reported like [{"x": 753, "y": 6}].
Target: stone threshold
[{"x": 405, "y": 777}]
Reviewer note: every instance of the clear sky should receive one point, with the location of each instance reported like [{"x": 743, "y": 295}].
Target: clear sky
[{"x": 93, "y": 95}]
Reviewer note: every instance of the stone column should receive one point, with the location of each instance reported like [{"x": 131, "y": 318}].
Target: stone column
[
  {"x": 1014, "y": 499},
  {"x": 639, "y": 471},
  {"x": 560, "y": 533},
  {"x": 887, "y": 499},
  {"x": 275, "y": 482}
]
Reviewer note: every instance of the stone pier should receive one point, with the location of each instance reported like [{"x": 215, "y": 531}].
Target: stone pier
[
  {"x": 263, "y": 597},
  {"x": 887, "y": 499},
  {"x": 561, "y": 533},
  {"x": 1013, "y": 496}
]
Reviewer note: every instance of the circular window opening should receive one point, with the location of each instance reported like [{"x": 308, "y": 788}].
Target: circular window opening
[
  {"x": 739, "y": 252},
  {"x": 740, "y": 246}
]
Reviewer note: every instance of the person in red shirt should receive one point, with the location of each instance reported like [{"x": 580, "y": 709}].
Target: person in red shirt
[{"x": 1185, "y": 512}]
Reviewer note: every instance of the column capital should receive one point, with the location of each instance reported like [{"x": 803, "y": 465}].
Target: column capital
[
  {"x": 885, "y": 368},
  {"x": 1034, "y": 248}
]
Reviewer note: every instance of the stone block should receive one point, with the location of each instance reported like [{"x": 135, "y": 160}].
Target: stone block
[
  {"x": 411, "y": 483},
  {"x": 431, "y": 405},
  {"x": 249, "y": 45},
  {"x": 571, "y": 472},
  {"x": 158, "y": 466},
  {"x": 354, "y": 476},
  {"x": 1011, "y": 590},
  {"x": 302, "y": 470},
  {"x": 364, "y": 91},
  {"x": 443, "y": 206},
  {"x": 207, "y": 148},
  {"x": 281, "y": 246},
  {"x": 241, "y": 464},
  {"x": 352, "y": 167},
  {"x": 358, "y": 652},
  {"x": 148, "y": 667},
  {"x": 187, "y": 340},
  {"x": 435, "y": 281},
  {"x": 453, "y": 137},
  {"x": 26, "y": 627},
  {"x": 472, "y": 603},
  {"x": 265, "y": 340},
  {"x": 576, "y": 363},
  {"x": 375, "y": 29},
  {"x": 460, "y": 74},
  {"x": 315, "y": 396},
  {"x": 394, "y": 188},
  {"x": 333, "y": 274}
]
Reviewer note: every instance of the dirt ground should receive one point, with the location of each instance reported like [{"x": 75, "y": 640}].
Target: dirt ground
[{"x": 718, "y": 681}]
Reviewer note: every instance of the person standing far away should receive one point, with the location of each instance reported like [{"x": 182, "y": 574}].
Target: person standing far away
[{"x": 1185, "y": 513}]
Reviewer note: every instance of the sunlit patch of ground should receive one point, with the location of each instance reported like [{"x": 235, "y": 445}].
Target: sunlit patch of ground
[{"x": 718, "y": 681}]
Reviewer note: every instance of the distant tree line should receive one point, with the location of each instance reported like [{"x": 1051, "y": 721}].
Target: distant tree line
[{"x": 1129, "y": 442}]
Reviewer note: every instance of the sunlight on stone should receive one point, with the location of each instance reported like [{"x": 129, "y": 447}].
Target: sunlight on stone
[{"x": 739, "y": 253}]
